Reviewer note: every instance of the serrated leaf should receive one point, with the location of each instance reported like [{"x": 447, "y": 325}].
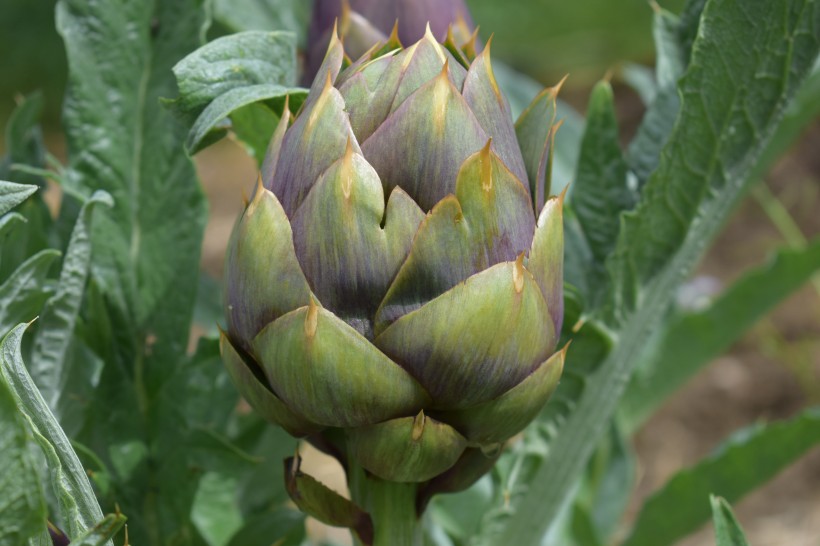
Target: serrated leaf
[
  {"x": 121, "y": 140},
  {"x": 601, "y": 191},
  {"x": 729, "y": 112},
  {"x": 231, "y": 73},
  {"x": 23, "y": 294},
  {"x": 644, "y": 151},
  {"x": 54, "y": 337},
  {"x": 691, "y": 340},
  {"x": 727, "y": 529},
  {"x": 22, "y": 506},
  {"x": 12, "y": 194},
  {"x": 748, "y": 459},
  {"x": 75, "y": 497}
]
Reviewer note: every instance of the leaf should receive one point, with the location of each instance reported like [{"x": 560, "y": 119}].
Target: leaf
[
  {"x": 24, "y": 150},
  {"x": 215, "y": 511},
  {"x": 24, "y": 140},
  {"x": 12, "y": 194},
  {"x": 254, "y": 125},
  {"x": 729, "y": 111},
  {"x": 236, "y": 99},
  {"x": 727, "y": 529},
  {"x": 144, "y": 273},
  {"x": 22, "y": 507},
  {"x": 122, "y": 141},
  {"x": 801, "y": 112},
  {"x": 78, "y": 505},
  {"x": 644, "y": 151},
  {"x": 601, "y": 191},
  {"x": 691, "y": 340},
  {"x": 748, "y": 459},
  {"x": 23, "y": 294},
  {"x": 53, "y": 340},
  {"x": 230, "y": 73},
  {"x": 239, "y": 15}
]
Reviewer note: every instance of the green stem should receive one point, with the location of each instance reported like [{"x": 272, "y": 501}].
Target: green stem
[{"x": 391, "y": 505}]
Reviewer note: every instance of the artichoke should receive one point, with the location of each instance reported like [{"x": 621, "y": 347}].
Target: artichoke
[
  {"x": 362, "y": 23},
  {"x": 395, "y": 282}
]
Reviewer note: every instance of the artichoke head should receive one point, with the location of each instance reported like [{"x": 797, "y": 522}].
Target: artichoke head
[{"x": 396, "y": 279}]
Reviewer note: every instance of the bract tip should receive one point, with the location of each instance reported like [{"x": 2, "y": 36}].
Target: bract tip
[
  {"x": 312, "y": 319},
  {"x": 418, "y": 426},
  {"x": 518, "y": 274},
  {"x": 555, "y": 89},
  {"x": 486, "y": 166},
  {"x": 347, "y": 168}
]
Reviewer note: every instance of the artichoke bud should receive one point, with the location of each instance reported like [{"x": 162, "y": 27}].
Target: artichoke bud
[{"x": 396, "y": 279}]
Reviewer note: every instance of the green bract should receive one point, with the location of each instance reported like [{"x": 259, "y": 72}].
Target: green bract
[{"x": 398, "y": 272}]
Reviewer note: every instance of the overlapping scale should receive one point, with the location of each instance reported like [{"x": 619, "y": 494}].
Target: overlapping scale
[
  {"x": 263, "y": 278},
  {"x": 489, "y": 220},
  {"x": 475, "y": 341},
  {"x": 347, "y": 256},
  {"x": 328, "y": 372}
]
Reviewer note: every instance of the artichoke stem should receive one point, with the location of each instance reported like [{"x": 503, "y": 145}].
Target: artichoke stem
[{"x": 391, "y": 505}]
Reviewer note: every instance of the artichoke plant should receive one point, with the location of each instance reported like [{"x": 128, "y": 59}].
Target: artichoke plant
[{"x": 394, "y": 286}]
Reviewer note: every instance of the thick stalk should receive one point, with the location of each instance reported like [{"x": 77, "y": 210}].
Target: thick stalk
[{"x": 391, "y": 505}]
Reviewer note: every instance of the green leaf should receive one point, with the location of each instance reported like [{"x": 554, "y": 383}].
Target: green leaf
[
  {"x": 693, "y": 339},
  {"x": 729, "y": 111},
  {"x": 601, "y": 190},
  {"x": 645, "y": 149},
  {"x": 75, "y": 497},
  {"x": 239, "y": 15},
  {"x": 254, "y": 125},
  {"x": 230, "y": 73},
  {"x": 24, "y": 150},
  {"x": 727, "y": 529},
  {"x": 215, "y": 511},
  {"x": 22, "y": 507},
  {"x": 24, "y": 140},
  {"x": 121, "y": 140},
  {"x": 23, "y": 294},
  {"x": 747, "y": 460},
  {"x": 54, "y": 338},
  {"x": 144, "y": 272},
  {"x": 210, "y": 120},
  {"x": 671, "y": 60},
  {"x": 802, "y": 111},
  {"x": 12, "y": 194}
]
